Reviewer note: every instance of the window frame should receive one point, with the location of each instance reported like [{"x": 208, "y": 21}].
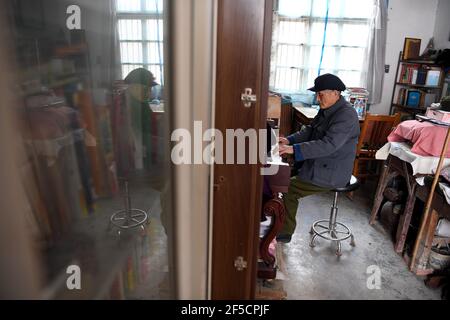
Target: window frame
[
  {"x": 305, "y": 48},
  {"x": 143, "y": 16}
]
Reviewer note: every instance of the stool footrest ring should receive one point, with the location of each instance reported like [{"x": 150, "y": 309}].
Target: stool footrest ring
[
  {"x": 332, "y": 234},
  {"x": 337, "y": 232},
  {"x": 129, "y": 220}
]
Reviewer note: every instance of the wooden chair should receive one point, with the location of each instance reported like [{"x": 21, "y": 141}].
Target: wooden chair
[{"x": 374, "y": 132}]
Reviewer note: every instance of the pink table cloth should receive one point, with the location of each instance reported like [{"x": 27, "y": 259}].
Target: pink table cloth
[{"x": 427, "y": 139}]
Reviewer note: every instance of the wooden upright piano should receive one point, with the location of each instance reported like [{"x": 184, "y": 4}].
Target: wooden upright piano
[{"x": 276, "y": 182}]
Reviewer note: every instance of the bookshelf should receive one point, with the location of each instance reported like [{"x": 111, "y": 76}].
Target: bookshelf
[{"x": 418, "y": 84}]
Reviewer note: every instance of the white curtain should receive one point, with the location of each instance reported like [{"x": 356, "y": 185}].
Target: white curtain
[{"x": 376, "y": 51}]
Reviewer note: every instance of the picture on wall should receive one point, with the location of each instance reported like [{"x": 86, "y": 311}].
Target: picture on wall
[{"x": 411, "y": 48}]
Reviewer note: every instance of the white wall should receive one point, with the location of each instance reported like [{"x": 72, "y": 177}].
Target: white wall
[
  {"x": 406, "y": 18},
  {"x": 442, "y": 27}
]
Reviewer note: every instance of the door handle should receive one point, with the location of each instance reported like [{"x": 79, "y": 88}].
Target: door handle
[
  {"x": 248, "y": 97},
  {"x": 240, "y": 264}
]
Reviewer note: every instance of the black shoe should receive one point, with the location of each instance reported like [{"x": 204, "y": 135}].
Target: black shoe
[{"x": 284, "y": 238}]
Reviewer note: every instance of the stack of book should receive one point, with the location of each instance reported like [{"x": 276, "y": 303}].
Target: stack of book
[
  {"x": 417, "y": 74},
  {"x": 416, "y": 98}
]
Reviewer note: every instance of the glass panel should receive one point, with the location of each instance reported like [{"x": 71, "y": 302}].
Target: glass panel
[
  {"x": 155, "y": 52},
  {"x": 157, "y": 71},
  {"x": 350, "y": 78},
  {"x": 128, "y": 5},
  {"x": 131, "y": 52},
  {"x": 343, "y": 8},
  {"x": 329, "y": 58},
  {"x": 290, "y": 56},
  {"x": 155, "y": 31},
  {"x": 358, "y": 9},
  {"x": 294, "y": 8},
  {"x": 314, "y": 57},
  {"x": 319, "y": 8},
  {"x": 130, "y": 29},
  {"x": 333, "y": 36},
  {"x": 292, "y": 32},
  {"x": 288, "y": 79},
  {"x": 355, "y": 35},
  {"x": 335, "y": 8},
  {"x": 351, "y": 58},
  {"x": 312, "y": 74},
  {"x": 155, "y": 6},
  {"x": 317, "y": 30},
  {"x": 95, "y": 163}
]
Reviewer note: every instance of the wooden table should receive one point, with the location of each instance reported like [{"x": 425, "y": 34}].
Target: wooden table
[
  {"x": 422, "y": 247},
  {"x": 395, "y": 167},
  {"x": 303, "y": 114},
  {"x": 439, "y": 209}
]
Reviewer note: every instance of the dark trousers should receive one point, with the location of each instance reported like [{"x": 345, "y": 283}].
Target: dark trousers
[{"x": 297, "y": 189}]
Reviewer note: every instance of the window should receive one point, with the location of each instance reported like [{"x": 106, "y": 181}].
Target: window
[
  {"x": 140, "y": 27},
  {"x": 313, "y": 37}
]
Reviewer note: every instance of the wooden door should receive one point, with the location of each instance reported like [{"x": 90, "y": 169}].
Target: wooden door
[{"x": 243, "y": 58}]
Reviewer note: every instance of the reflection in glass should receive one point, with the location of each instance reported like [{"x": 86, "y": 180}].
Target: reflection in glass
[
  {"x": 93, "y": 127},
  {"x": 130, "y": 29}
]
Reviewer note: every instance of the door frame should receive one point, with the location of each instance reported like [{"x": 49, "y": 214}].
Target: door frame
[
  {"x": 192, "y": 67},
  {"x": 232, "y": 239},
  {"x": 192, "y": 71}
]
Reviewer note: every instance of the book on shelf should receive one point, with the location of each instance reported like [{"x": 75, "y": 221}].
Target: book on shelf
[
  {"x": 433, "y": 77},
  {"x": 422, "y": 75},
  {"x": 401, "y": 96},
  {"x": 409, "y": 73},
  {"x": 413, "y": 98},
  {"x": 427, "y": 98},
  {"x": 446, "y": 89},
  {"x": 415, "y": 74}
]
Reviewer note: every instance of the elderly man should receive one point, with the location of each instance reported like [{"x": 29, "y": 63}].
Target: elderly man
[{"x": 326, "y": 148}]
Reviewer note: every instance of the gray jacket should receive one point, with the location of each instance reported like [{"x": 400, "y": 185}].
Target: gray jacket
[{"x": 327, "y": 147}]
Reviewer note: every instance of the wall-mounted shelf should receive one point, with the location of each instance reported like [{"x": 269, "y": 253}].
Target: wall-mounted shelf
[{"x": 417, "y": 85}]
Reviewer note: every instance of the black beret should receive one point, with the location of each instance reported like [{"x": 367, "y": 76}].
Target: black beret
[
  {"x": 141, "y": 76},
  {"x": 328, "y": 82}
]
